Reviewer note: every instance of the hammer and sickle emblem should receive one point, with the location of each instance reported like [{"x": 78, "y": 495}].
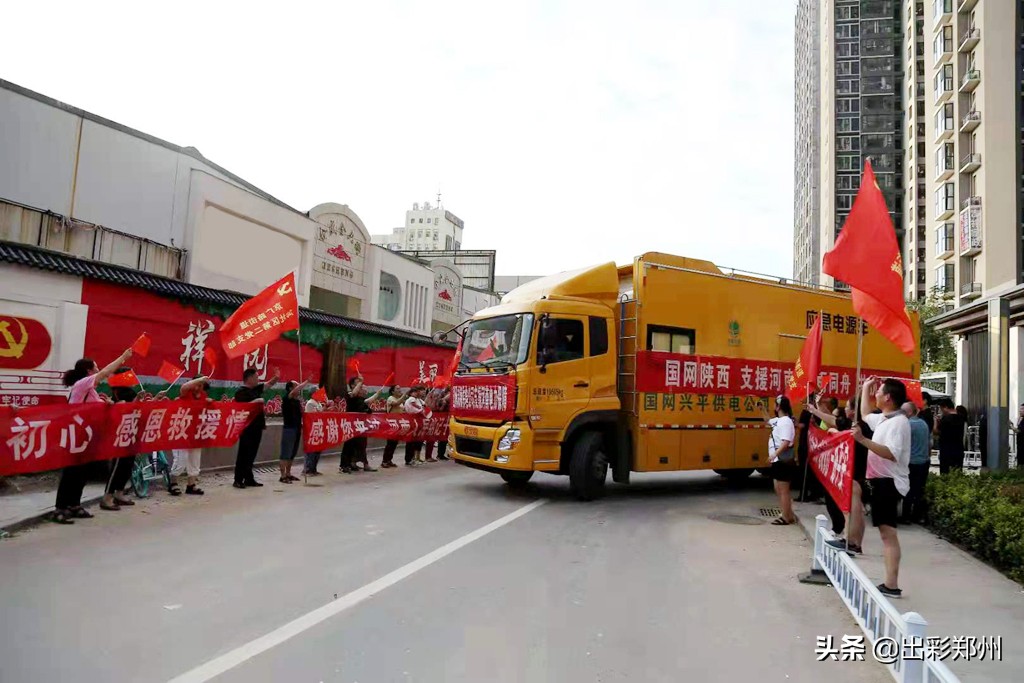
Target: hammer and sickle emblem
[
  {"x": 286, "y": 288},
  {"x": 14, "y": 348}
]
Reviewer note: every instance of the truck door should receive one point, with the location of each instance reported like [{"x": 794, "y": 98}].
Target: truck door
[{"x": 563, "y": 388}]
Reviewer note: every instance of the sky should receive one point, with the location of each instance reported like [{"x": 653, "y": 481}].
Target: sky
[{"x": 563, "y": 133}]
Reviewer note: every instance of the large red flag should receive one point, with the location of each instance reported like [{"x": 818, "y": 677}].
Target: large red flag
[
  {"x": 808, "y": 366},
  {"x": 867, "y": 257},
  {"x": 141, "y": 345},
  {"x": 262, "y": 319}
]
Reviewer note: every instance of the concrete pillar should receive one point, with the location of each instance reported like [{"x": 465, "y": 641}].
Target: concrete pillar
[
  {"x": 961, "y": 370},
  {"x": 999, "y": 384}
]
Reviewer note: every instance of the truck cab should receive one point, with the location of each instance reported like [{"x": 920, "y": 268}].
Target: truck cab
[{"x": 552, "y": 343}]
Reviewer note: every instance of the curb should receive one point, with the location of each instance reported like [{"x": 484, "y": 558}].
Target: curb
[{"x": 37, "y": 519}]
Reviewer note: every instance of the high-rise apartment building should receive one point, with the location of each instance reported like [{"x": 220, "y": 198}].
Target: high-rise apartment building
[
  {"x": 427, "y": 227},
  {"x": 861, "y": 76},
  {"x": 806, "y": 251},
  {"x": 972, "y": 73},
  {"x": 915, "y": 169}
]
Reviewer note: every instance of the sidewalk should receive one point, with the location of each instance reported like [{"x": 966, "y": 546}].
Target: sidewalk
[
  {"x": 955, "y": 593},
  {"x": 18, "y": 510}
]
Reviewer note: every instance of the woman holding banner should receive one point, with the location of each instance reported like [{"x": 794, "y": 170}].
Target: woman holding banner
[
  {"x": 82, "y": 380},
  {"x": 188, "y": 460}
]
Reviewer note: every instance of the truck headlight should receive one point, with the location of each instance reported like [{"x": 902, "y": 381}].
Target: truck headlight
[{"x": 509, "y": 441}]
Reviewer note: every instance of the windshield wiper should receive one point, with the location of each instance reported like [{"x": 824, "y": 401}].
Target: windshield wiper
[{"x": 487, "y": 363}]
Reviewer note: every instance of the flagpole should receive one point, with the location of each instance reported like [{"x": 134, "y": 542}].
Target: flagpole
[
  {"x": 860, "y": 353},
  {"x": 298, "y": 335}
]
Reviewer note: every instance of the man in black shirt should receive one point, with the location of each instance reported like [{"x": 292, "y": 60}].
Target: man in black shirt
[
  {"x": 950, "y": 428},
  {"x": 353, "y": 451},
  {"x": 251, "y": 391}
]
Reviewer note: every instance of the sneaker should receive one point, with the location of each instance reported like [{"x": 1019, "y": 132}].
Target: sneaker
[
  {"x": 369, "y": 469},
  {"x": 345, "y": 470},
  {"x": 443, "y": 457},
  {"x": 238, "y": 485},
  {"x": 431, "y": 460},
  {"x": 285, "y": 480},
  {"x": 253, "y": 483},
  {"x": 889, "y": 592}
]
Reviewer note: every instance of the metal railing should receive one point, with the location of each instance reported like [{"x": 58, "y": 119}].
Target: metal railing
[
  {"x": 972, "y": 451},
  {"x": 913, "y": 661}
]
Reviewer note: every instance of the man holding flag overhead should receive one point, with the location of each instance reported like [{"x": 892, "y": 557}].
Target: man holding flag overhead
[{"x": 867, "y": 257}]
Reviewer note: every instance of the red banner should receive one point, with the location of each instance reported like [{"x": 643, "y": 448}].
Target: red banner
[
  {"x": 262, "y": 319},
  {"x": 181, "y": 334},
  {"x": 52, "y": 437},
  {"x": 675, "y": 373},
  {"x": 491, "y": 397},
  {"x": 408, "y": 366},
  {"x": 321, "y": 431},
  {"x": 832, "y": 460}
]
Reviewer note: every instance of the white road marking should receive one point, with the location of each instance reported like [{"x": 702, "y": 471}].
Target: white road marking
[{"x": 243, "y": 653}]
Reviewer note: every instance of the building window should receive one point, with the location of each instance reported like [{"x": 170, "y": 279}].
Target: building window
[
  {"x": 945, "y": 198},
  {"x": 848, "y": 50},
  {"x": 848, "y": 105},
  {"x": 848, "y": 125},
  {"x": 389, "y": 297},
  {"x": 944, "y": 278},
  {"x": 847, "y": 31},
  {"x": 848, "y": 162},
  {"x": 671, "y": 339}
]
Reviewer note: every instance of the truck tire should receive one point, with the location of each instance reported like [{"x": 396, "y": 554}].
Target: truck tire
[
  {"x": 516, "y": 480},
  {"x": 588, "y": 467},
  {"x": 735, "y": 474}
]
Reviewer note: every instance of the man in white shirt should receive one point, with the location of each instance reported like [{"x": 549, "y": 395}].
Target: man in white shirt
[
  {"x": 414, "y": 405},
  {"x": 888, "y": 471}
]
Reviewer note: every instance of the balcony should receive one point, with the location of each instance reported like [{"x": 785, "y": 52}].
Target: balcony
[
  {"x": 943, "y": 168},
  {"x": 970, "y": 163},
  {"x": 970, "y": 228},
  {"x": 942, "y": 12},
  {"x": 943, "y": 89},
  {"x": 969, "y": 202},
  {"x": 966, "y": 6},
  {"x": 944, "y": 130},
  {"x": 970, "y": 121},
  {"x": 944, "y": 210},
  {"x": 971, "y": 80},
  {"x": 969, "y": 39},
  {"x": 970, "y": 290},
  {"x": 944, "y": 241}
]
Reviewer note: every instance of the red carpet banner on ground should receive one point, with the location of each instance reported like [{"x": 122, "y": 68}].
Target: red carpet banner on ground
[
  {"x": 832, "y": 460},
  {"x": 52, "y": 437},
  {"x": 321, "y": 431}
]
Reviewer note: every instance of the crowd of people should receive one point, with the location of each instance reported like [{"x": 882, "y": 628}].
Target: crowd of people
[
  {"x": 84, "y": 378},
  {"x": 893, "y": 443}
]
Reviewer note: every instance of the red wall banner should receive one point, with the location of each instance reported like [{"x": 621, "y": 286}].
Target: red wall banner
[
  {"x": 180, "y": 334},
  {"x": 410, "y": 365},
  {"x": 491, "y": 397},
  {"x": 832, "y": 460},
  {"x": 52, "y": 437},
  {"x": 676, "y": 373},
  {"x": 321, "y": 431}
]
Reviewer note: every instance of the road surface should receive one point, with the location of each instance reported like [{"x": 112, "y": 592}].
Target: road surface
[{"x": 432, "y": 574}]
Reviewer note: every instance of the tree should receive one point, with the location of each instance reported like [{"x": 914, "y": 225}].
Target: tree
[{"x": 938, "y": 354}]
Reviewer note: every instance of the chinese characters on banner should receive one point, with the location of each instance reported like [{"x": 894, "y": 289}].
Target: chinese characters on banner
[
  {"x": 832, "y": 461},
  {"x": 661, "y": 372},
  {"x": 414, "y": 364},
  {"x": 491, "y": 397},
  {"x": 262, "y": 319},
  {"x": 321, "y": 431},
  {"x": 52, "y": 437}
]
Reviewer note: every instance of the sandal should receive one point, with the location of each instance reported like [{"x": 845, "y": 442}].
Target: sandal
[
  {"x": 123, "y": 502},
  {"x": 61, "y": 517},
  {"x": 779, "y": 521},
  {"x": 193, "y": 491},
  {"x": 113, "y": 508},
  {"x": 174, "y": 490},
  {"x": 81, "y": 513}
]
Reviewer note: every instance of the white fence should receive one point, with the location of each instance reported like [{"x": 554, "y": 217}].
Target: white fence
[
  {"x": 972, "y": 452},
  {"x": 912, "y": 660}
]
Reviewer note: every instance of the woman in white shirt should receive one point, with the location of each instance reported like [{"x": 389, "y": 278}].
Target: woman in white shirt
[
  {"x": 414, "y": 405},
  {"x": 782, "y": 457}
]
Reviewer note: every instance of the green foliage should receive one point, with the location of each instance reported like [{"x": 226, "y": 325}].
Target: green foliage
[
  {"x": 984, "y": 513},
  {"x": 938, "y": 354}
]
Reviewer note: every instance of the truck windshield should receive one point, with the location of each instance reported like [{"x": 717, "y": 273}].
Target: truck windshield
[{"x": 496, "y": 341}]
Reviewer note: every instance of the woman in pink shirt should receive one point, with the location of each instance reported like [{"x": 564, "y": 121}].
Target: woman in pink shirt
[{"x": 82, "y": 379}]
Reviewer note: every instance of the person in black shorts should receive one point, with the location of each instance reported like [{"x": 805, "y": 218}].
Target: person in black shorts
[{"x": 855, "y": 521}]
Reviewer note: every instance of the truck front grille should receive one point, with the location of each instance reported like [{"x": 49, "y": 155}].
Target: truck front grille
[{"x": 478, "y": 448}]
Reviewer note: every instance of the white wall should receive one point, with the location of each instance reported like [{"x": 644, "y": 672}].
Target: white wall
[
  {"x": 473, "y": 300},
  {"x": 53, "y": 300},
  {"x": 337, "y": 224},
  {"x": 242, "y": 242},
  {"x": 415, "y": 285}
]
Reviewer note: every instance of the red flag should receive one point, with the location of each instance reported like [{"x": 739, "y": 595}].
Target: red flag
[
  {"x": 169, "y": 372},
  {"x": 454, "y": 366},
  {"x": 867, "y": 257},
  {"x": 388, "y": 380},
  {"x": 320, "y": 395},
  {"x": 353, "y": 367},
  {"x": 914, "y": 393},
  {"x": 805, "y": 373},
  {"x": 141, "y": 345},
  {"x": 210, "y": 356},
  {"x": 262, "y": 319},
  {"x": 128, "y": 378}
]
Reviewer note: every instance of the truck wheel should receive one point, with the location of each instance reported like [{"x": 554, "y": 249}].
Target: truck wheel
[
  {"x": 735, "y": 475},
  {"x": 516, "y": 480},
  {"x": 588, "y": 467}
]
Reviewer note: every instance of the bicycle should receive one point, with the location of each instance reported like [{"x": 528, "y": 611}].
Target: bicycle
[{"x": 147, "y": 467}]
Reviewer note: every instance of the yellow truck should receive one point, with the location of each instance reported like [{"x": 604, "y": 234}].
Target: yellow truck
[{"x": 660, "y": 366}]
